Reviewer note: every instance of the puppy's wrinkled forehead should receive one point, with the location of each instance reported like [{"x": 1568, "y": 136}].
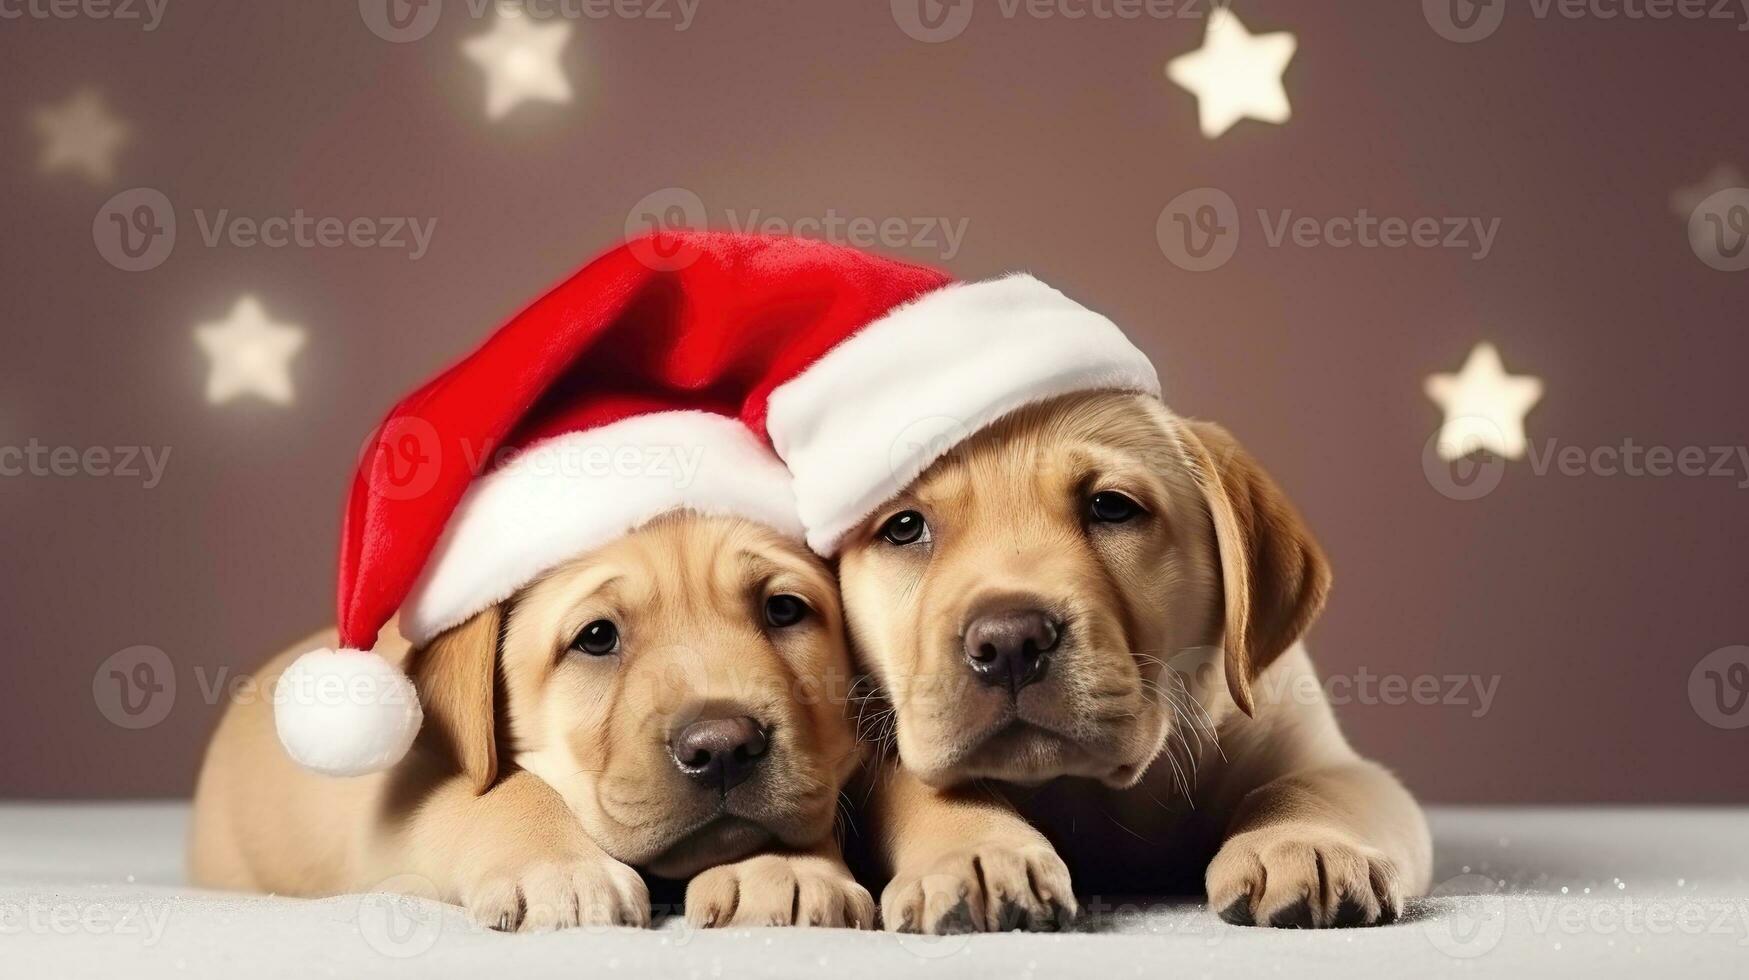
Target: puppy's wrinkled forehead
[
  {"x": 680, "y": 564},
  {"x": 685, "y": 572},
  {"x": 1047, "y": 452}
]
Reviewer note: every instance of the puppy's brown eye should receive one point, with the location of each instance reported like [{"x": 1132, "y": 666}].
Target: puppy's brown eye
[
  {"x": 905, "y": 527},
  {"x": 1111, "y": 507},
  {"x": 785, "y": 610},
  {"x": 598, "y": 639}
]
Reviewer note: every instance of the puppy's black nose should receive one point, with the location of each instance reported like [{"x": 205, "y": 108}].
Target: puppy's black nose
[
  {"x": 720, "y": 752},
  {"x": 1011, "y": 649}
]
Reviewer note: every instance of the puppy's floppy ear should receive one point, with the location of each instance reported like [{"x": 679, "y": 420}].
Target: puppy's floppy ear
[
  {"x": 1274, "y": 576},
  {"x": 456, "y": 675}
]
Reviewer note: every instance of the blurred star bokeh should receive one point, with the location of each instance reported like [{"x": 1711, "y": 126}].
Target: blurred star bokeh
[{"x": 240, "y": 231}]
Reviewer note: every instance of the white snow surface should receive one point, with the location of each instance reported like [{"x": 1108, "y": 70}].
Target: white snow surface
[{"x": 96, "y": 890}]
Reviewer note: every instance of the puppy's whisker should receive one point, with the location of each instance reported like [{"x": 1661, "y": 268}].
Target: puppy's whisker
[
  {"x": 1177, "y": 773},
  {"x": 844, "y": 809},
  {"x": 1184, "y": 724},
  {"x": 1186, "y": 709},
  {"x": 1203, "y": 723},
  {"x": 1187, "y": 718},
  {"x": 1121, "y": 826}
]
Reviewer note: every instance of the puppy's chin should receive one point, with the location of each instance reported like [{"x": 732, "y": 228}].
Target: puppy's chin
[
  {"x": 1023, "y": 754},
  {"x": 723, "y": 838},
  {"x": 721, "y": 841},
  {"x": 1018, "y": 753}
]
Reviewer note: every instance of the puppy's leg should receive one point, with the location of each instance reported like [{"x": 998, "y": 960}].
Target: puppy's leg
[
  {"x": 1338, "y": 846},
  {"x": 800, "y": 888},
  {"x": 963, "y": 862},
  {"x": 515, "y": 857},
  {"x": 1318, "y": 836}
]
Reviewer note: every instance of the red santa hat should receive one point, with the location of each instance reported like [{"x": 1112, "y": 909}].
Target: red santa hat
[{"x": 661, "y": 377}]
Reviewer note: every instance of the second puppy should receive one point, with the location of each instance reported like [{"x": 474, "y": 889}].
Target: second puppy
[
  {"x": 578, "y": 637},
  {"x": 633, "y": 708}
]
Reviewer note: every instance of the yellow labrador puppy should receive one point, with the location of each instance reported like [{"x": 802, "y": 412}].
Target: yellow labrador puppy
[
  {"x": 663, "y": 703},
  {"x": 1044, "y": 609}
]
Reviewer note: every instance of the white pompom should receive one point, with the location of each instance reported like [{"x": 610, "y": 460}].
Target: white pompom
[{"x": 345, "y": 712}]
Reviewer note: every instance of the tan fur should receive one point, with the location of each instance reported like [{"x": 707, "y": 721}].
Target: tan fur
[
  {"x": 1179, "y": 689},
  {"x": 542, "y": 777},
  {"x": 1274, "y": 575}
]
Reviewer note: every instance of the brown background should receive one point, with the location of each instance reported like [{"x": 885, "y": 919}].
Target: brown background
[{"x": 1059, "y": 142}]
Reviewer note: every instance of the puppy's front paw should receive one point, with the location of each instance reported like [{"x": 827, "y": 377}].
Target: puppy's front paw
[
  {"x": 560, "y": 894},
  {"x": 990, "y": 887},
  {"x": 779, "y": 890},
  {"x": 1303, "y": 878}
]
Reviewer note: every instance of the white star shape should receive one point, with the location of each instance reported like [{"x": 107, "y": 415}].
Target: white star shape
[
  {"x": 1686, "y": 200},
  {"x": 251, "y": 354},
  {"x": 521, "y": 61},
  {"x": 1484, "y": 406},
  {"x": 1235, "y": 75},
  {"x": 82, "y": 135}
]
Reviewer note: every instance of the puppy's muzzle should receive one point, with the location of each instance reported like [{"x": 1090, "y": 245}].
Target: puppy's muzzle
[
  {"x": 1011, "y": 648},
  {"x": 721, "y": 753}
]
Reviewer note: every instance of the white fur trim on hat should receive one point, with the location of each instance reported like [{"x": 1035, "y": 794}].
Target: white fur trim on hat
[
  {"x": 866, "y": 419},
  {"x": 345, "y": 712},
  {"x": 571, "y": 493}
]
